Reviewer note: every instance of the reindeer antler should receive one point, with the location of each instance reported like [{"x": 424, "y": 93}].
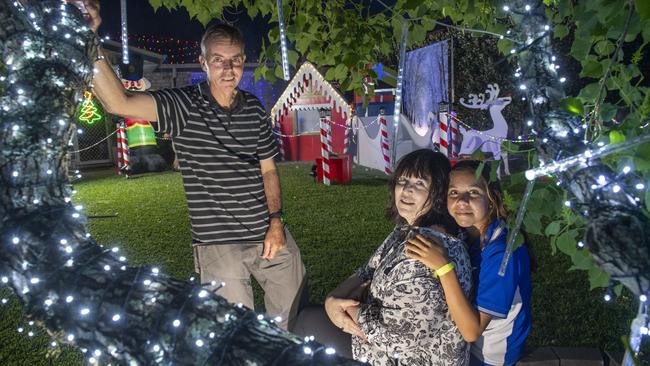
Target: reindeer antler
[
  {"x": 475, "y": 101},
  {"x": 493, "y": 92}
]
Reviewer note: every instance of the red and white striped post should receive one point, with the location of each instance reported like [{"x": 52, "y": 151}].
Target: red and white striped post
[
  {"x": 454, "y": 138},
  {"x": 385, "y": 146},
  {"x": 325, "y": 146},
  {"x": 122, "y": 150},
  {"x": 444, "y": 132}
]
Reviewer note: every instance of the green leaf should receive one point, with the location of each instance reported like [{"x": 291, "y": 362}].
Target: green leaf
[
  {"x": 417, "y": 34},
  {"x": 300, "y": 21},
  {"x": 616, "y": 137},
  {"x": 504, "y": 46},
  {"x": 155, "y": 4},
  {"x": 532, "y": 223},
  {"x": 582, "y": 261},
  {"x": 589, "y": 92},
  {"x": 591, "y": 67},
  {"x": 605, "y": 47},
  {"x": 411, "y": 4},
  {"x": 274, "y": 35},
  {"x": 580, "y": 48},
  {"x": 350, "y": 60},
  {"x": 553, "y": 243},
  {"x": 278, "y": 72},
  {"x": 560, "y": 31},
  {"x": 340, "y": 72},
  {"x": 566, "y": 242},
  {"x": 573, "y": 105},
  {"x": 647, "y": 198},
  {"x": 553, "y": 228},
  {"x": 597, "y": 278},
  {"x": 330, "y": 74},
  {"x": 618, "y": 289},
  {"x": 293, "y": 57},
  {"x": 643, "y": 8}
]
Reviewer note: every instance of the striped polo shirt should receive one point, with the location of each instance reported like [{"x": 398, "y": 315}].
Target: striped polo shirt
[{"x": 219, "y": 152}]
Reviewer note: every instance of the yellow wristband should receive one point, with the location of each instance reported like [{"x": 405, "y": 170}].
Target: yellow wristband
[{"x": 444, "y": 270}]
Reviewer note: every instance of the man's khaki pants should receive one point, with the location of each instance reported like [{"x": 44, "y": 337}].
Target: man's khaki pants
[{"x": 282, "y": 278}]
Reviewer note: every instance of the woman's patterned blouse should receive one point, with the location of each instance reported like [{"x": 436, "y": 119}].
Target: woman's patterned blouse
[{"x": 405, "y": 316}]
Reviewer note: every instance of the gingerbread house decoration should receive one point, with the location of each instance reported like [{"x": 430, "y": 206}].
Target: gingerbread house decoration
[{"x": 296, "y": 115}]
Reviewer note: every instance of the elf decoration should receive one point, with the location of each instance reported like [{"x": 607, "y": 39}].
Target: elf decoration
[{"x": 141, "y": 153}]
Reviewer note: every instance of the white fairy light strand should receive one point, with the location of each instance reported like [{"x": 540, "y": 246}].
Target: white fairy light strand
[
  {"x": 398, "y": 90},
  {"x": 562, "y": 165},
  {"x": 125, "y": 34},
  {"x": 283, "y": 43}
]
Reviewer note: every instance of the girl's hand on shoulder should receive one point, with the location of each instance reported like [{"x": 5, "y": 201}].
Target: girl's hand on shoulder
[{"x": 429, "y": 251}]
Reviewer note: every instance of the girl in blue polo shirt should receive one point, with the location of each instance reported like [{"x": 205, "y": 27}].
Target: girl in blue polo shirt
[{"x": 499, "y": 319}]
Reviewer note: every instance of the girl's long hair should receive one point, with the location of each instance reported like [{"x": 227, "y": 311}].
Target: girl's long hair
[{"x": 433, "y": 167}]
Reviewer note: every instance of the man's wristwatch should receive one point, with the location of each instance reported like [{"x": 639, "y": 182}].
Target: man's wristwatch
[{"x": 277, "y": 215}]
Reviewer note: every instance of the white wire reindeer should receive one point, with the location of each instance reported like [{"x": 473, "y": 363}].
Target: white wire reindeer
[{"x": 489, "y": 140}]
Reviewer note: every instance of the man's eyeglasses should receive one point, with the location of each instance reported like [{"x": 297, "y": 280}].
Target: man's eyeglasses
[{"x": 218, "y": 61}]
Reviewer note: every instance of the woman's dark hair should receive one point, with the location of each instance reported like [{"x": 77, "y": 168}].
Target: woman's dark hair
[
  {"x": 433, "y": 167},
  {"x": 497, "y": 209}
]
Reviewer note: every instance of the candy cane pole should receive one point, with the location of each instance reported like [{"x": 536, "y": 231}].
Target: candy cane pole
[
  {"x": 444, "y": 134},
  {"x": 122, "y": 150},
  {"x": 325, "y": 148},
  {"x": 385, "y": 146}
]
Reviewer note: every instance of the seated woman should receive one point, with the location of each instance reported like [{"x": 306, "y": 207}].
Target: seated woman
[
  {"x": 394, "y": 307},
  {"x": 499, "y": 319}
]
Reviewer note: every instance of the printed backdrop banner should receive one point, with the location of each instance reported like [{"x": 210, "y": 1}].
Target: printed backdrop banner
[{"x": 426, "y": 84}]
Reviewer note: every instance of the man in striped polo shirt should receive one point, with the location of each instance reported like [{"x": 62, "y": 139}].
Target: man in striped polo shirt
[{"x": 225, "y": 148}]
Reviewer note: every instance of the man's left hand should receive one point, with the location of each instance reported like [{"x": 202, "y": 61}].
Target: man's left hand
[{"x": 275, "y": 240}]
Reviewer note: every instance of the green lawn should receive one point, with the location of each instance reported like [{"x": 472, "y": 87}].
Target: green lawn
[{"x": 336, "y": 227}]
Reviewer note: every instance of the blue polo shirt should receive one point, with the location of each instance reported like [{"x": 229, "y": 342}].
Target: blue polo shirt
[{"x": 506, "y": 299}]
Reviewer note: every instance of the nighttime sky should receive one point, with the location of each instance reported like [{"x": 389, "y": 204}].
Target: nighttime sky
[{"x": 142, "y": 20}]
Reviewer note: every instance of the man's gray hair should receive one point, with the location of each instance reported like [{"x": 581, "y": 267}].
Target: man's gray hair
[{"x": 221, "y": 32}]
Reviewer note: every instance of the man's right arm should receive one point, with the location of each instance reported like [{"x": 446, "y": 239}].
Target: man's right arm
[
  {"x": 117, "y": 100},
  {"x": 109, "y": 89}
]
